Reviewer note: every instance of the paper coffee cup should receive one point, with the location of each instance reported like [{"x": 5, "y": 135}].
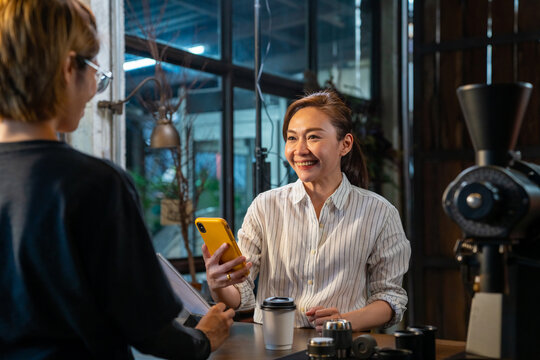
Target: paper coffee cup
[{"x": 278, "y": 322}]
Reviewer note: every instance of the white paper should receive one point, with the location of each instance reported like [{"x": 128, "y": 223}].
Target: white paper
[{"x": 192, "y": 300}]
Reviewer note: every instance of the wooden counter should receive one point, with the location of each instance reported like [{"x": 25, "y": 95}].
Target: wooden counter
[{"x": 246, "y": 342}]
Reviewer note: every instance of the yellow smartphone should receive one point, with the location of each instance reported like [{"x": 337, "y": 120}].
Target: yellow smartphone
[{"x": 215, "y": 232}]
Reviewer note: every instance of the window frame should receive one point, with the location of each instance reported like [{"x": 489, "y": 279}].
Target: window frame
[{"x": 236, "y": 76}]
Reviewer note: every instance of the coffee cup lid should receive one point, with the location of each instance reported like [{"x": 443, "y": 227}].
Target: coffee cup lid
[{"x": 278, "y": 303}]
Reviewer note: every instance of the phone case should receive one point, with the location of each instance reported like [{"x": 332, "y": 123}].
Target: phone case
[{"x": 215, "y": 232}]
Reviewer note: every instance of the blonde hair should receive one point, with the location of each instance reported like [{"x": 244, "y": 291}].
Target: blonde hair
[{"x": 35, "y": 39}]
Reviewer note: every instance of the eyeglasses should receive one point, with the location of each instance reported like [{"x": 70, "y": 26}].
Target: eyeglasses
[{"x": 103, "y": 77}]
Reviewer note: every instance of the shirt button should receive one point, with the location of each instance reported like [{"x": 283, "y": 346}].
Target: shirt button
[
  {"x": 310, "y": 282},
  {"x": 313, "y": 252},
  {"x": 321, "y": 226},
  {"x": 302, "y": 309}
]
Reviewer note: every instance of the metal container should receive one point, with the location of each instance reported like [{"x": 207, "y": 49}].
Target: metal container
[
  {"x": 429, "y": 332},
  {"x": 411, "y": 340},
  {"x": 341, "y": 331},
  {"x": 321, "y": 348},
  {"x": 394, "y": 354}
]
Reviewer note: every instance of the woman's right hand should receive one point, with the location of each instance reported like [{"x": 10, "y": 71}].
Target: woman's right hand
[{"x": 216, "y": 273}]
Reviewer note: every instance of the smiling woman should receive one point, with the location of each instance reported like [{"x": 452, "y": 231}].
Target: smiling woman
[
  {"x": 327, "y": 108},
  {"x": 338, "y": 249},
  {"x": 314, "y": 151}
]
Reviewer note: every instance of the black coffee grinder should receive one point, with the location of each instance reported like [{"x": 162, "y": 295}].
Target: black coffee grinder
[{"x": 496, "y": 203}]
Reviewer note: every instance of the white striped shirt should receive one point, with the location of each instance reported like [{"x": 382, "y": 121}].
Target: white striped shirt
[{"x": 354, "y": 254}]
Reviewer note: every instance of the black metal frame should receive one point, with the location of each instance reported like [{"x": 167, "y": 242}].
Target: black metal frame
[
  {"x": 227, "y": 129},
  {"x": 478, "y": 42},
  {"x": 406, "y": 127},
  {"x": 416, "y": 232},
  {"x": 241, "y": 77},
  {"x": 376, "y": 55}
]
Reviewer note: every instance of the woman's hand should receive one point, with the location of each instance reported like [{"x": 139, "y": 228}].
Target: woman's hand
[
  {"x": 318, "y": 315},
  {"x": 370, "y": 316},
  {"x": 219, "y": 275}
]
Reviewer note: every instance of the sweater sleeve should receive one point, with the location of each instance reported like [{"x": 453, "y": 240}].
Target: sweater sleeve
[{"x": 174, "y": 341}]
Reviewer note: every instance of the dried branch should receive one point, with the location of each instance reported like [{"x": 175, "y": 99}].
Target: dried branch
[{"x": 184, "y": 192}]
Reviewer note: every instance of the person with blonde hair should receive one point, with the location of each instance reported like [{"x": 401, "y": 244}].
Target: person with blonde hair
[
  {"x": 335, "y": 247},
  {"x": 79, "y": 278}
]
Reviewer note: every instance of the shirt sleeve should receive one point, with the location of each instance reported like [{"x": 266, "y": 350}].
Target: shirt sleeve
[
  {"x": 125, "y": 274},
  {"x": 250, "y": 237},
  {"x": 387, "y": 264}
]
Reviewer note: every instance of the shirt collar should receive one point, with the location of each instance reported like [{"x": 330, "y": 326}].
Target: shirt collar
[
  {"x": 338, "y": 198},
  {"x": 298, "y": 191}
]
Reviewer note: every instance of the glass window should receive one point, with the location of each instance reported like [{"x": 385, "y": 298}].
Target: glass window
[
  {"x": 344, "y": 45},
  {"x": 198, "y": 121},
  {"x": 189, "y": 25},
  {"x": 283, "y": 36},
  {"x": 273, "y": 110},
  {"x": 344, "y": 30}
]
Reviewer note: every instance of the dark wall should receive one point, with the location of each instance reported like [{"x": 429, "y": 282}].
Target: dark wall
[{"x": 451, "y": 48}]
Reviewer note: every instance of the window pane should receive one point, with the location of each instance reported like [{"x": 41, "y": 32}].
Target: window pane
[
  {"x": 154, "y": 170},
  {"x": 284, "y": 28},
  {"x": 344, "y": 29},
  {"x": 244, "y": 148},
  {"x": 189, "y": 25}
]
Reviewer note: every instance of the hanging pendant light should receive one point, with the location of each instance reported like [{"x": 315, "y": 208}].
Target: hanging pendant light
[{"x": 164, "y": 134}]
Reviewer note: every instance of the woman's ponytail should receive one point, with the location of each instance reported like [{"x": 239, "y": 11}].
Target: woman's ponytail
[{"x": 354, "y": 166}]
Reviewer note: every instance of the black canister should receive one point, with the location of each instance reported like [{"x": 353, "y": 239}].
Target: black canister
[
  {"x": 321, "y": 348},
  {"x": 394, "y": 354},
  {"x": 410, "y": 340},
  {"x": 429, "y": 332},
  {"x": 341, "y": 331}
]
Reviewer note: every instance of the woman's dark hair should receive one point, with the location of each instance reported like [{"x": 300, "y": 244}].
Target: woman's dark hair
[{"x": 353, "y": 164}]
